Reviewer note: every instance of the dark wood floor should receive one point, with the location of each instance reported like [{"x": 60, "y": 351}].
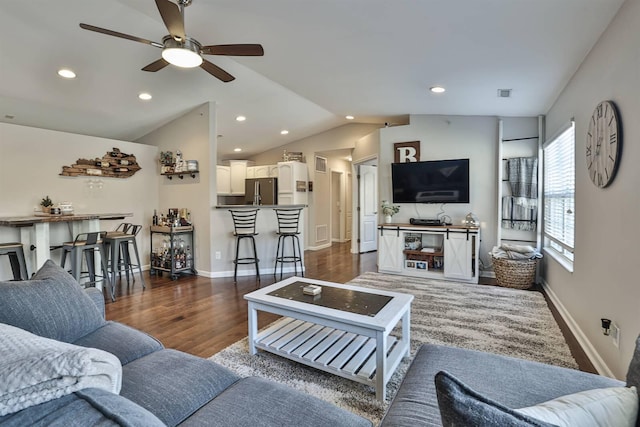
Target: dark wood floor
[{"x": 202, "y": 316}]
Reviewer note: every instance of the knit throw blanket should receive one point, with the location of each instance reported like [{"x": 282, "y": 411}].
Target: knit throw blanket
[
  {"x": 523, "y": 180},
  {"x": 35, "y": 370}
]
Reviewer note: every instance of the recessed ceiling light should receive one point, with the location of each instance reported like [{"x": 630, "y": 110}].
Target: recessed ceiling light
[
  {"x": 241, "y": 118},
  {"x": 66, "y": 73},
  {"x": 349, "y": 117},
  {"x": 437, "y": 89},
  {"x": 145, "y": 96},
  {"x": 237, "y": 150},
  {"x": 284, "y": 132}
]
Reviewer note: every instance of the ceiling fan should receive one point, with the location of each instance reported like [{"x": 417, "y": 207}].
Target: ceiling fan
[{"x": 179, "y": 49}]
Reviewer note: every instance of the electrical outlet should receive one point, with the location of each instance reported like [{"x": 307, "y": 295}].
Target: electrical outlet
[
  {"x": 218, "y": 255},
  {"x": 614, "y": 333}
]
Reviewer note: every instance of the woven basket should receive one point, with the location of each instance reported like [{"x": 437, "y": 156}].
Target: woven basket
[{"x": 515, "y": 273}]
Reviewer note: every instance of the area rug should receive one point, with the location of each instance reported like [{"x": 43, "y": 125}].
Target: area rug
[{"x": 498, "y": 320}]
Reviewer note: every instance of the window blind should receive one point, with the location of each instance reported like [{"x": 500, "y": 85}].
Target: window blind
[{"x": 559, "y": 193}]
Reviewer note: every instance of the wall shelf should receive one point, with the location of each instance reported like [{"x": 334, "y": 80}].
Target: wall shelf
[{"x": 180, "y": 175}]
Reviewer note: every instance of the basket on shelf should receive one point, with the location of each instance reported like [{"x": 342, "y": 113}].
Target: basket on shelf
[{"x": 515, "y": 273}]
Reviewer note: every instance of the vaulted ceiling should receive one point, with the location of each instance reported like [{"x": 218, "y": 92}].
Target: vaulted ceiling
[{"x": 373, "y": 59}]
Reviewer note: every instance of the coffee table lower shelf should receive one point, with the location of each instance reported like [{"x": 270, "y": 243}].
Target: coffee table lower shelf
[{"x": 338, "y": 352}]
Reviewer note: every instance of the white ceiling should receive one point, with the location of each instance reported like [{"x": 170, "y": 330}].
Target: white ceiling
[{"x": 374, "y": 59}]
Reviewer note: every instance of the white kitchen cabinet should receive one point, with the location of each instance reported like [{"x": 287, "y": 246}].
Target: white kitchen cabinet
[
  {"x": 438, "y": 252},
  {"x": 292, "y": 176},
  {"x": 223, "y": 180}
]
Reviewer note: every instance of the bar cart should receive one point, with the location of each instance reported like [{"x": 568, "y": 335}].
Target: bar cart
[{"x": 173, "y": 253}]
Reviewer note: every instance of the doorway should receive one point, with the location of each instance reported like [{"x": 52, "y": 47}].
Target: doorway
[
  {"x": 366, "y": 206},
  {"x": 337, "y": 197}
]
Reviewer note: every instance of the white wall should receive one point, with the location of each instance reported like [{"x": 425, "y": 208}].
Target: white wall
[
  {"x": 191, "y": 134},
  {"x": 605, "y": 278},
  {"x": 31, "y": 160},
  {"x": 449, "y": 137}
]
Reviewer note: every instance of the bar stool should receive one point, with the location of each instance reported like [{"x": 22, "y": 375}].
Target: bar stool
[
  {"x": 117, "y": 243},
  {"x": 244, "y": 223},
  {"x": 86, "y": 244},
  {"x": 288, "y": 222},
  {"x": 16, "y": 258}
]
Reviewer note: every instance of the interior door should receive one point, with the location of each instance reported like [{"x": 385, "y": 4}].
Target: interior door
[
  {"x": 348, "y": 208},
  {"x": 368, "y": 204}
]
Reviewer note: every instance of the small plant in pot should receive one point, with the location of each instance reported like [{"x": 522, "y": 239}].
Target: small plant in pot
[
  {"x": 46, "y": 204},
  {"x": 389, "y": 210}
]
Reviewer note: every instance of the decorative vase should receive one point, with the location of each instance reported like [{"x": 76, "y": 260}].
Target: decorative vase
[
  {"x": 387, "y": 219},
  {"x": 46, "y": 209}
]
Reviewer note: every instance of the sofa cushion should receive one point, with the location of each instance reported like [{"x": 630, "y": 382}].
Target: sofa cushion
[
  {"x": 89, "y": 407},
  {"x": 461, "y": 406},
  {"x": 126, "y": 343},
  {"x": 500, "y": 378},
  {"x": 173, "y": 385},
  {"x": 259, "y": 402},
  {"x": 615, "y": 406},
  {"x": 52, "y": 304}
]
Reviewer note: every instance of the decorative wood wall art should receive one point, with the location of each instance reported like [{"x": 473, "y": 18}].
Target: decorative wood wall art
[
  {"x": 114, "y": 164},
  {"x": 406, "y": 152}
]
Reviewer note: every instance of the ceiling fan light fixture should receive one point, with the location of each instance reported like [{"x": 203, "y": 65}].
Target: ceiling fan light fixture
[
  {"x": 181, "y": 57},
  {"x": 185, "y": 54}
]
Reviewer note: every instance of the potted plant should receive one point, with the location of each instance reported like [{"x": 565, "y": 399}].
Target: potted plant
[
  {"x": 389, "y": 210},
  {"x": 46, "y": 204}
]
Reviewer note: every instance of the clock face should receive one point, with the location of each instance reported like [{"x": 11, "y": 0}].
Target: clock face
[{"x": 603, "y": 144}]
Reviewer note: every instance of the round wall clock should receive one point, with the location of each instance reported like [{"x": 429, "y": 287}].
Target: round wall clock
[{"x": 604, "y": 144}]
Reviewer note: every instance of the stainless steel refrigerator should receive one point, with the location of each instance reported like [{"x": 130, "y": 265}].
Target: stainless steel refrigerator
[{"x": 261, "y": 191}]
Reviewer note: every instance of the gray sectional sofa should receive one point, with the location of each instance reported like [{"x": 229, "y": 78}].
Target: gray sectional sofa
[
  {"x": 483, "y": 389},
  {"x": 158, "y": 386}
]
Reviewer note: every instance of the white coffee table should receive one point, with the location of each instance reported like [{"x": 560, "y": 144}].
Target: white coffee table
[{"x": 344, "y": 331}]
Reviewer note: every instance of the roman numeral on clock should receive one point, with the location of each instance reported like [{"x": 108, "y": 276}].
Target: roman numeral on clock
[{"x": 613, "y": 138}]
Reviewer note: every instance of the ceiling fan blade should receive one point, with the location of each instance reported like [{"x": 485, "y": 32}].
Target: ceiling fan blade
[
  {"x": 172, "y": 17},
  {"x": 156, "y": 65},
  {"x": 216, "y": 71},
  {"x": 234, "y": 49},
  {"x": 117, "y": 34}
]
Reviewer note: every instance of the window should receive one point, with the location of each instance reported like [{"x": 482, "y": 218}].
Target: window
[{"x": 559, "y": 196}]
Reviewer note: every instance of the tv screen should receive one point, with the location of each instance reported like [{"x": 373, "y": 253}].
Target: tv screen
[{"x": 441, "y": 181}]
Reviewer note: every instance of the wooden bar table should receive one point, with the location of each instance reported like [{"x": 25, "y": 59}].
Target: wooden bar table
[{"x": 35, "y": 236}]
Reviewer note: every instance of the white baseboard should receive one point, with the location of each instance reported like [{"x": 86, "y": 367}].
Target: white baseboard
[
  {"x": 317, "y": 248},
  {"x": 577, "y": 332},
  {"x": 243, "y": 273}
]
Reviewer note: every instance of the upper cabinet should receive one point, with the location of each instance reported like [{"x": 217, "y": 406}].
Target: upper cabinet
[
  {"x": 230, "y": 179},
  {"x": 292, "y": 183},
  {"x": 262, "y": 171}
]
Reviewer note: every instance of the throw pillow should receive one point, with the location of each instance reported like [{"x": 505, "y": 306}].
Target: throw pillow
[
  {"x": 614, "y": 406},
  {"x": 52, "y": 304},
  {"x": 35, "y": 370},
  {"x": 461, "y": 406}
]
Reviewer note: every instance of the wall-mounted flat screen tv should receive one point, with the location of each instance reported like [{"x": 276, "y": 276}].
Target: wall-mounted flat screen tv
[{"x": 439, "y": 181}]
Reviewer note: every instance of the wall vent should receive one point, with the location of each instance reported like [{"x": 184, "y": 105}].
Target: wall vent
[
  {"x": 504, "y": 93},
  {"x": 322, "y": 233}
]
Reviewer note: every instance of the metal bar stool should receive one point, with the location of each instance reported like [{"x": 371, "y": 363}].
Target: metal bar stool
[
  {"x": 86, "y": 244},
  {"x": 117, "y": 243},
  {"x": 288, "y": 223},
  {"x": 16, "y": 258},
  {"x": 244, "y": 223}
]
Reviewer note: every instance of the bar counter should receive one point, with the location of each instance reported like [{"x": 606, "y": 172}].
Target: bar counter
[{"x": 35, "y": 233}]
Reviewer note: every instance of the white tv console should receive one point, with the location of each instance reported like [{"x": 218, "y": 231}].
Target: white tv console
[{"x": 447, "y": 252}]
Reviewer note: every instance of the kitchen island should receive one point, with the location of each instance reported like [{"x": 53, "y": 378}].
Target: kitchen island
[{"x": 266, "y": 240}]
